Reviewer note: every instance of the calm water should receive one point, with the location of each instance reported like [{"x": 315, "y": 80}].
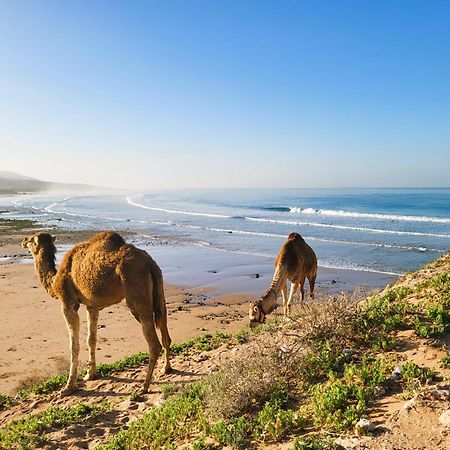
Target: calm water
[{"x": 385, "y": 230}]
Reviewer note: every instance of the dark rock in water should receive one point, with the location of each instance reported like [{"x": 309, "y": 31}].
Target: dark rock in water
[
  {"x": 256, "y": 275},
  {"x": 333, "y": 281},
  {"x": 212, "y": 271}
]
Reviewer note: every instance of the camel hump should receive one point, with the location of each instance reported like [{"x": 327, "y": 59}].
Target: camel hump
[
  {"x": 107, "y": 240},
  {"x": 295, "y": 237}
]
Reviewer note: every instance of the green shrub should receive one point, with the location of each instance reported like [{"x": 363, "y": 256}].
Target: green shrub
[
  {"x": 29, "y": 432},
  {"x": 5, "y": 401},
  {"x": 314, "y": 443},
  {"x": 234, "y": 432},
  {"x": 273, "y": 422},
  {"x": 178, "y": 418}
]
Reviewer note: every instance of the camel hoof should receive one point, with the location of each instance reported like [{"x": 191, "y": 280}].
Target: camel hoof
[
  {"x": 68, "y": 390},
  {"x": 90, "y": 376},
  {"x": 142, "y": 391}
]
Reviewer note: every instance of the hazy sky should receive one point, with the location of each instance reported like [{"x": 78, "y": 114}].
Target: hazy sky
[{"x": 145, "y": 94}]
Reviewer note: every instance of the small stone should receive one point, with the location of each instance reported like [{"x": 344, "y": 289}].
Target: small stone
[
  {"x": 363, "y": 426},
  {"x": 444, "y": 418},
  {"x": 440, "y": 394},
  {"x": 160, "y": 402},
  {"x": 347, "y": 443},
  {"x": 347, "y": 351},
  {"x": 395, "y": 375},
  {"x": 409, "y": 404}
]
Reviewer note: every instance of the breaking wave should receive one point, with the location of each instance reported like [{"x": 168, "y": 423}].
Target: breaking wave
[{"x": 354, "y": 214}]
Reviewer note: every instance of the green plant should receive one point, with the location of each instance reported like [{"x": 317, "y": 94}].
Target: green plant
[
  {"x": 273, "y": 422},
  {"x": 340, "y": 402},
  {"x": 411, "y": 371},
  {"x": 30, "y": 431},
  {"x": 179, "y": 417},
  {"x": 445, "y": 362},
  {"x": 314, "y": 443},
  {"x": 169, "y": 389},
  {"x": 235, "y": 432},
  {"x": 324, "y": 360},
  {"x": 5, "y": 401},
  {"x": 413, "y": 377},
  {"x": 204, "y": 342}
]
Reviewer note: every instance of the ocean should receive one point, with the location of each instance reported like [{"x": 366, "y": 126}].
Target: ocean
[{"x": 381, "y": 230}]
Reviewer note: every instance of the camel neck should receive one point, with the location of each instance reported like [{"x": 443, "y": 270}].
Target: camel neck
[
  {"x": 269, "y": 299},
  {"x": 44, "y": 264},
  {"x": 279, "y": 277}
]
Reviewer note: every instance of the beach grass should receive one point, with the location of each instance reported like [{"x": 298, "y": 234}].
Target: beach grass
[{"x": 29, "y": 432}]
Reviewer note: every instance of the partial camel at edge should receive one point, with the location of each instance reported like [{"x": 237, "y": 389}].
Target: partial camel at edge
[
  {"x": 98, "y": 273},
  {"x": 295, "y": 262}
]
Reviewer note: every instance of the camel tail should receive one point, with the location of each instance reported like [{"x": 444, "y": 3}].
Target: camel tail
[{"x": 159, "y": 300}]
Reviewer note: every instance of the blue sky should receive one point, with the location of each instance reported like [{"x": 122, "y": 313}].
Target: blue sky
[{"x": 144, "y": 94}]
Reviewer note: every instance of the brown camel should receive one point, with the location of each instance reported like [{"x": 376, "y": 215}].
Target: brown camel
[
  {"x": 97, "y": 273},
  {"x": 295, "y": 262}
]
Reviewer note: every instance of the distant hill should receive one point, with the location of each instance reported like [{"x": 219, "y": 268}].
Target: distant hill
[{"x": 14, "y": 183}]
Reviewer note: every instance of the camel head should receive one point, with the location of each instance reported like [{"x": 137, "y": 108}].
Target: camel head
[
  {"x": 40, "y": 241},
  {"x": 256, "y": 315}
]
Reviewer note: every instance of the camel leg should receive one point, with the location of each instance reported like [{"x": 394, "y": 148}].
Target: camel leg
[
  {"x": 73, "y": 327},
  {"x": 145, "y": 316},
  {"x": 285, "y": 297},
  {"x": 92, "y": 321},
  {"x": 312, "y": 283},
  {"x": 154, "y": 347},
  {"x": 302, "y": 290},
  {"x": 294, "y": 287},
  {"x": 166, "y": 341}
]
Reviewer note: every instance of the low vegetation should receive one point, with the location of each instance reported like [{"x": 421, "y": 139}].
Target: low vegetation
[{"x": 30, "y": 431}]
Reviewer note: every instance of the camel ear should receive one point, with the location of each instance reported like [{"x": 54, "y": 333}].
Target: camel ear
[
  {"x": 36, "y": 240},
  {"x": 54, "y": 238}
]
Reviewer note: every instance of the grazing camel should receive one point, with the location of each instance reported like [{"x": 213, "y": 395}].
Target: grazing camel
[
  {"x": 295, "y": 262},
  {"x": 97, "y": 273}
]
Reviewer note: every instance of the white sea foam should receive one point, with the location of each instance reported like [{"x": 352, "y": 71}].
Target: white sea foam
[
  {"x": 341, "y": 213},
  {"x": 347, "y": 227},
  {"x": 176, "y": 211},
  {"x": 313, "y": 238},
  {"x": 359, "y": 269}
]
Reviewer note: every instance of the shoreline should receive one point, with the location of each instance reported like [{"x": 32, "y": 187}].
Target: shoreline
[{"x": 206, "y": 291}]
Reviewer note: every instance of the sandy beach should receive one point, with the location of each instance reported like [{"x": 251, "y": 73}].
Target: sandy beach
[{"x": 206, "y": 291}]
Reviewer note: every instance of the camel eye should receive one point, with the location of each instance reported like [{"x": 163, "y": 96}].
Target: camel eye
[{"x": 255, "y": 308}]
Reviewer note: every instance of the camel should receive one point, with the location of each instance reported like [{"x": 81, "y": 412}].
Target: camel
[
  {"x": 295, "y": 262},
  {"x": 98, "y": 273}
]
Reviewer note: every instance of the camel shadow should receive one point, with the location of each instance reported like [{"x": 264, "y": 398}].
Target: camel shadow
[{"x": 183, "y": 373}]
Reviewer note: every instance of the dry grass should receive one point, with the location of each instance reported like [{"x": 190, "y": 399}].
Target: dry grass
[
  {"x": 331, "y": 319},
  {"x": 274, "y": 361}
]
